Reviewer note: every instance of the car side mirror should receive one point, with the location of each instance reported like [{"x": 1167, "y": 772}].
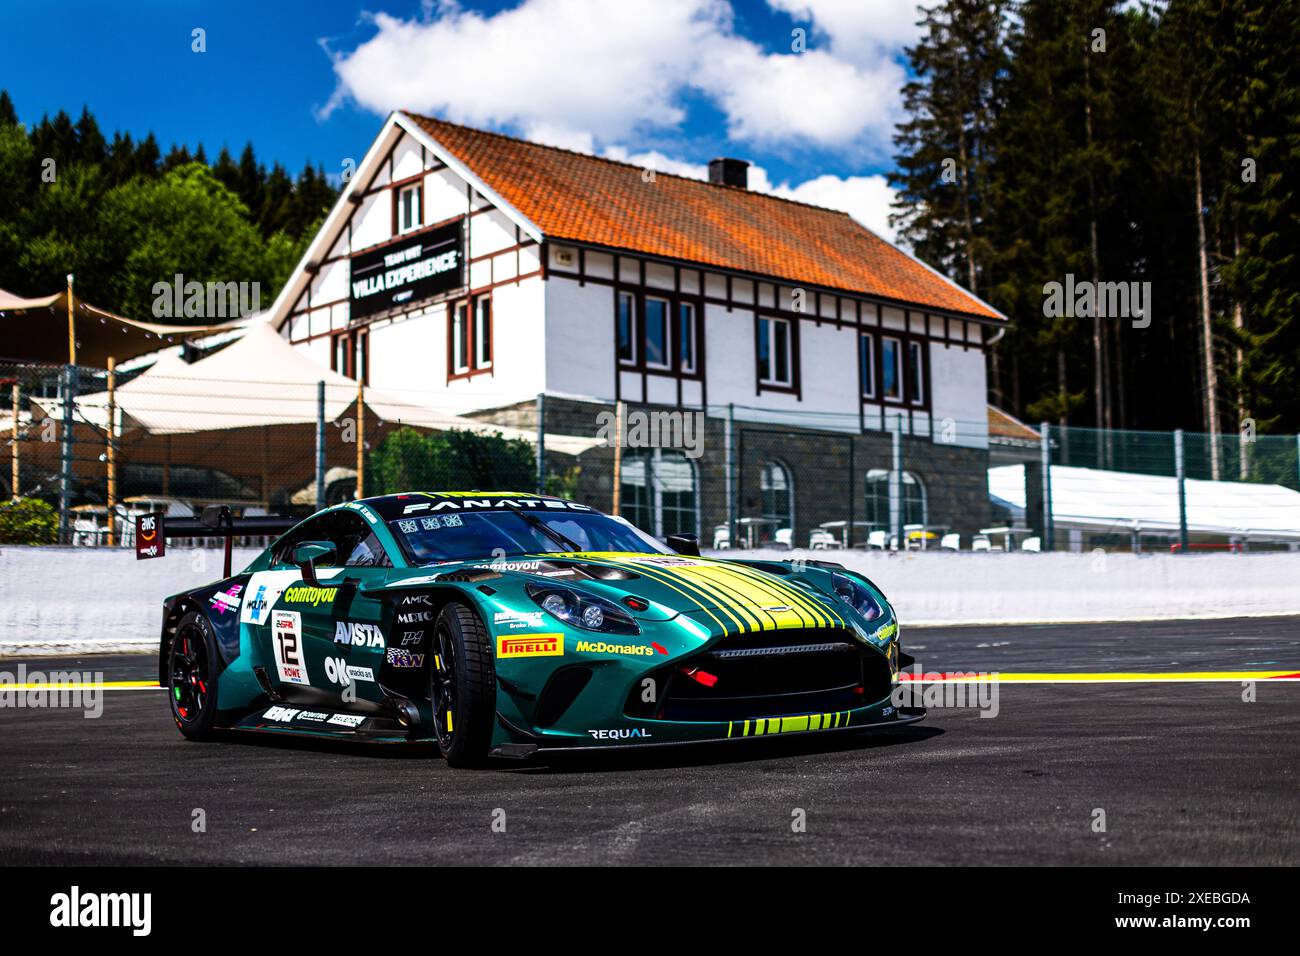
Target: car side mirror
[
  {"x": 688, "y": 544},
  {"x": 307, "y": 553}
]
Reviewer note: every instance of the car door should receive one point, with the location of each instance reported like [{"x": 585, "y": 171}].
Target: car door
[
  {"x": 321, "y": 643},
  {"x": 343, "y": 630}
]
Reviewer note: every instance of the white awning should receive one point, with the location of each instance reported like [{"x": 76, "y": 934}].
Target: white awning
[
  {"x": 1121, "y": 501},
  {"x": 262, "y": 380}
]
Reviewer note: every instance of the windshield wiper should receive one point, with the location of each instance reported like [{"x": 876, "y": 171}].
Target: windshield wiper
[{"x": 535, "y": 522}]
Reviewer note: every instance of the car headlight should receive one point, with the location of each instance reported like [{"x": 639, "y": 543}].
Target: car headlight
[
  {"x": 856, "y": 596},
  {"x": 586, "y": 611}
]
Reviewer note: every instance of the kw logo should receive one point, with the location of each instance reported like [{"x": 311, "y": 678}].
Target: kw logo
[{"x": 534, "y": 645}]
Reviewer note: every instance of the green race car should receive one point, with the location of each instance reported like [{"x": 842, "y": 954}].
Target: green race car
[{"x": 499, "y": 623}]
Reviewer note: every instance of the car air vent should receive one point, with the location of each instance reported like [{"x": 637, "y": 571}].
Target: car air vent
[
  {"x": 602, "y": 573},
  {"x": 781, "y": 650}
]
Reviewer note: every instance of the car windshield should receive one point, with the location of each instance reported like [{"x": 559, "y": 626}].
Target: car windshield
[{"x": 509, "y": 533}]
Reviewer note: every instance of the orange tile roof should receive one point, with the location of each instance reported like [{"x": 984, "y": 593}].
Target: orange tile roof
[
  {"x": 1003, "y": 425},
  {"x": 589, "y": 199}
]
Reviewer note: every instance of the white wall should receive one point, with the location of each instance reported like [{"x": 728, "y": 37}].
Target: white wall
[
  {"x": 99, "y": 600},
  {"x": 958, "y": 391},
  {"x": 579, "y": 346}
]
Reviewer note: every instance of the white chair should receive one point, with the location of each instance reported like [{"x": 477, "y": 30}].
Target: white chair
[
  {"x": 784, "y": 537},
  {"x": 980, "y": 543},
  {"x": 950, "y": 542},
  {"x": 1032, "y": 544},
  {"x": 876, "y": 539},
  {"x": 821, "y": 540},
  {"x": 721, "y": 538}
]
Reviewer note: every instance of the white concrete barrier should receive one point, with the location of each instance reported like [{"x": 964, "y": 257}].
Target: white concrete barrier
[
  {"x": 87, "y": 600},
  {"x": 939, "y": 588},
  {"x": 94, "y": 600}
]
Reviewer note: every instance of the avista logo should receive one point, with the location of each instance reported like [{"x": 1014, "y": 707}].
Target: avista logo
[
  {"x": 358, "y": 635},
  {"x": 619, "y": 734},
  {"x": 308, "y": 594}
]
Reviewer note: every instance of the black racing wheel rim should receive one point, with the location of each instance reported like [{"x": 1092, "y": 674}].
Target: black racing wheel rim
[
  {"x": 191, "y": 674},
  {"x": 443, "y": 677}
]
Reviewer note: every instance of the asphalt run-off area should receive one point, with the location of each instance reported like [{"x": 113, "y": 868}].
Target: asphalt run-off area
[{"x": 1167, "y": 742}]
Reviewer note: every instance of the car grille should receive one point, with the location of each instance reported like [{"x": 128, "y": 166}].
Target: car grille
[{"x": 768, "y": 674}]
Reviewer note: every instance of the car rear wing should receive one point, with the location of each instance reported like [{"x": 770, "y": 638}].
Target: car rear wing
[{"x": 216, "y": 521}]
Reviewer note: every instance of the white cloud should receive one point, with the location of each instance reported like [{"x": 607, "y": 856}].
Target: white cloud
[
  {"x": 561, "y": 71},
  {"x": 866, "y": 198},
  {"x": 809, "y": 98},
  {"x": 578, "y": 72},
  {"x": 860, "y": 31}
]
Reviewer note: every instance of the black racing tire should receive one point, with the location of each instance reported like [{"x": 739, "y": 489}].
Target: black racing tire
[
  {"x": 462, "y": 685},
  {"x": 193, "y": 673}
]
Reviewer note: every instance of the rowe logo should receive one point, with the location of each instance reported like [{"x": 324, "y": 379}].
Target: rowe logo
[
  {"x": 534, "y": 645},
  {"x": 358, "y": 635},
  {"x": 75, "y": 909}
]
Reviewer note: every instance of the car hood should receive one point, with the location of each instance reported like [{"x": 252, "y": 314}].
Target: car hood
[{"x": 721, "y": 595}]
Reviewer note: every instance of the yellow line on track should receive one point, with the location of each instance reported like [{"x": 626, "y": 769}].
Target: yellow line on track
[
  {"x": 86, "y": 685},
  {"x": 1104, "y": 678}
]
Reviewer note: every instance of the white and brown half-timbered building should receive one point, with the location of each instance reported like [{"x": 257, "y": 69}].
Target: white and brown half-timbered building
[{"x": 477, "y": 272}]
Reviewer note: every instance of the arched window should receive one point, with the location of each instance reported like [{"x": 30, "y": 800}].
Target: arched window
[
  {"x": 659, "y": 492},
  {"x": 912, "y": 500},
  {"x": 777, "y": 489}
]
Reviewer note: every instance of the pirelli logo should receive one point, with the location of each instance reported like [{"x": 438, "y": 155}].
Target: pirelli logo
[{"x": 530, "y": 645}]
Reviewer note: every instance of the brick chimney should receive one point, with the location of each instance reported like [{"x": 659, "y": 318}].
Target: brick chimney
[{"x": 729, "y": 172}]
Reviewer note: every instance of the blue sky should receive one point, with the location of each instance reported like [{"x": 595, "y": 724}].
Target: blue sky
[{"x": 668, "y": 83}]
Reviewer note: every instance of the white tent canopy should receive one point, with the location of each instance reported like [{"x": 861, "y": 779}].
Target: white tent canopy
[
  {"x": 1120, "y": 501},
  {"x": 262, "y": 380}
]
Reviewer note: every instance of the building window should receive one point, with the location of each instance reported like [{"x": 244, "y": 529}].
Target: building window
[
  {"x": 686, "y": 336},
  {"x": 408, "y": 208},
  {"x": 483, "y": 332},
  {"x": 350, "y": 354},
  {"x": 775, "y": 365},
  {"x": 460, "y": 339},
  {"x": 891, "y": 369},
  {"x": 883, "y": 498},
  {"x": 778, "y": 494},
  {"x": 626, "y": 328},
  {"x": 656, "y": 333},
  {"x": 915, "y": 373},
  {"x": 658, "y": 492},
  {"x": 867, "y": 364},
  {"x": 469, "y": 340},
  {"x": 665, "y": 337}
]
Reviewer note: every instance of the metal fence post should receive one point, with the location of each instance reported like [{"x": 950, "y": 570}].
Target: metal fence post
[
  {"x": 110, "y": 452},
  {"x": 896, "y": 480},
  {"x": 17, "y": 435},
  {"x": 65, "y": 454},
  {"x": 1045, "y": 457},
  {"x": 541, "y": 443},
  {"x": 320, "y": 445},
  {"x": 1181, "y": 471},
  {"x": 729, "y": 469}
]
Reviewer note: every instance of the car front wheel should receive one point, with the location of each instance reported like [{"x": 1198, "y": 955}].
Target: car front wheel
[{"x": 462, "y": 686}]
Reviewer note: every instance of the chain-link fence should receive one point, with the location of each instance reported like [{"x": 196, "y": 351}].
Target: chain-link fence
[{"x": 101, "y": 447}]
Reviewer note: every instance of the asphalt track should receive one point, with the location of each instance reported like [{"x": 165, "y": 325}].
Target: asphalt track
[{"x": 1185, "y": 771}]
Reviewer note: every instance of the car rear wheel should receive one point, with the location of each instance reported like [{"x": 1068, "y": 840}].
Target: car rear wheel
[
  {"x": 192, "y": 668},
  {"x": 462, "y": 686}
]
